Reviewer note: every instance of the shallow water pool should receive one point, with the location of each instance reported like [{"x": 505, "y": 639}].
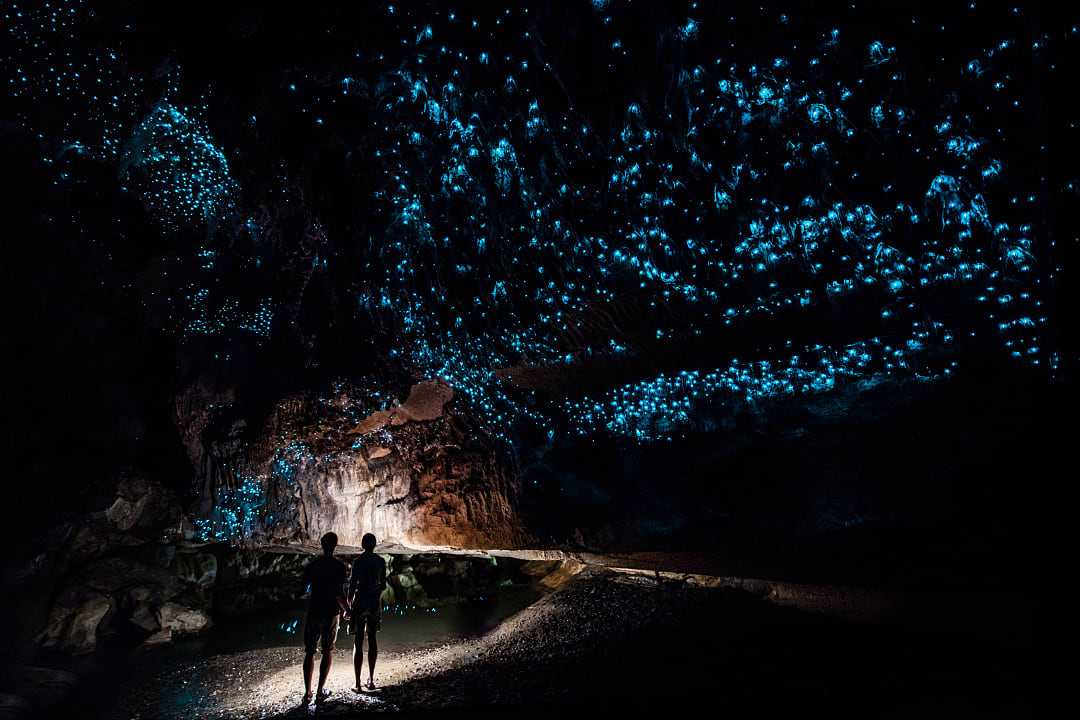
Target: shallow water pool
[{"x": 190, "y": 677}]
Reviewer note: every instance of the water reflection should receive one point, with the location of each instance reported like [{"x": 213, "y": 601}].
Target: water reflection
[{"x": 188, "y": 677}]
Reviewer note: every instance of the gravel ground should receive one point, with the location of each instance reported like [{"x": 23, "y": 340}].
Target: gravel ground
[{"x": 610, "y": 641}]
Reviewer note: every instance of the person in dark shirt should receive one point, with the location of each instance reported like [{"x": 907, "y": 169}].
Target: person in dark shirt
[
  {"x": 326, "y": 577},
  {"x": 365, "y": 597}
]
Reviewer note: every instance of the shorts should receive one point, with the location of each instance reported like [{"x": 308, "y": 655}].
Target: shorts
[
  {"x": 371, "y": 618},
  {"x": 320, "y": 630}
]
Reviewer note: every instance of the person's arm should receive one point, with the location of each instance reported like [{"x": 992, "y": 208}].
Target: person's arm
[
  {"x": 382, "y": 576},
  {"x": 342, "y": 596},
  {"x": 354, "y": 581}
]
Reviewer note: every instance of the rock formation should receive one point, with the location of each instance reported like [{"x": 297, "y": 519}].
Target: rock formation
[{"x": 416, "y": 473}]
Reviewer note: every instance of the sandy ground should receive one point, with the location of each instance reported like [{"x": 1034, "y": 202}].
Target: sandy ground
[{"x": 613, "y": 641}]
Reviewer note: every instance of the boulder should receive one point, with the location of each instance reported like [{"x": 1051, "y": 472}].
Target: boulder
[
  {"x": 98, "y": 538},
  {"x": 160, "y": 620},
  {"x": 143, "y": 603},
  {"x": 124, "y": 513},
  {"x": 161, "y": 636},
  {"x": 144, "y": 507},
  {"x": 403, "y": 580},
  {"x": 407, "y": 588},
  {"x": 74, "y": 620},
  {"x": 182, "y": 620},
  {"x": 197, "y": 568},
  {"x": 114, "y": 574}
]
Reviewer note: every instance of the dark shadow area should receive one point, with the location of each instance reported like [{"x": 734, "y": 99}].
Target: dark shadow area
[{"x": 901, "y": 486}]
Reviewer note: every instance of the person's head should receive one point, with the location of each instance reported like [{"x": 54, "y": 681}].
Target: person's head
[
  {"x": 368, "y": 542},
  {"x": 329, "y": 542}
]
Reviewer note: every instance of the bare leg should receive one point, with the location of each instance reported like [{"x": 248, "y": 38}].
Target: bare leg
[
  {"x": 373, "y": 653},
  {"x": 309, "y": 668},
  {"x": 358, "y": 657},
  {"x": 324, "y": 668}
]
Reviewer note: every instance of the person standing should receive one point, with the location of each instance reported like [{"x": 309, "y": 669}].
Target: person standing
[
  {"x": 365, "y": 597},
  {"x": 326, "y": 577}
]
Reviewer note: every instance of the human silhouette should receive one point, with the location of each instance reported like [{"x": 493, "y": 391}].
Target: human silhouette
[
  {"x": 365, "y": 597},
  {"x": 326, "y": 576}
]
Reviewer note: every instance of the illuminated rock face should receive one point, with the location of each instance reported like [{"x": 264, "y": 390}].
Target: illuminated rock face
[
  {"x": 442, "y": 495},
  {"x": 413, "y": 473},
  {"x": 453, "y": 498}
]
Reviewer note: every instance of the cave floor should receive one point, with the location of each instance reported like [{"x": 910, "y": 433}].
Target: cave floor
[{"x": 623, "y": 641}]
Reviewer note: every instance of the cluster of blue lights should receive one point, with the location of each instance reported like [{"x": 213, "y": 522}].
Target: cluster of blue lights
[
  {"x": 699, "y": 225},
  {"x": 237, "y": 512},
  {"x": 88, "y": 84},
  {"x": 656, "y": 407},
  {"x": 181, "y": 175},
  {"x": 246, "y": 509},
  {"x": 509, "y": 228},
  {"x": 200, "y": 317}
]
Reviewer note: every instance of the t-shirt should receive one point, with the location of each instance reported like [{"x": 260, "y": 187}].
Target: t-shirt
[
  {"x": 327, "y": 577},
  {"x": 368, "y": 579}
]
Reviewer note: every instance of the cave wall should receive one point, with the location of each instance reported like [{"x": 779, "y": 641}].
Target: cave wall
[
  {"x": 455, "y": 498},
  {"x": 414, "y": 473}
]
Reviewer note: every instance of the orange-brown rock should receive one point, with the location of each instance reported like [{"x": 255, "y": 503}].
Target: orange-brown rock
[
  {"x": 427, "y": 401},
  {"x": 417, "y": 473}
]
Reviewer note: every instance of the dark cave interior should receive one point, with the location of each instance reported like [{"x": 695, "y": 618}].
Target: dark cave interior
[{"x": 559, "y": 300}]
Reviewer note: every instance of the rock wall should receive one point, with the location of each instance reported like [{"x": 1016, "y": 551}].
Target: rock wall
[
  {"x": 416, "y": 473},
  {"x": 445, "y": 497},
  {"x": 122, "y": 574}
]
